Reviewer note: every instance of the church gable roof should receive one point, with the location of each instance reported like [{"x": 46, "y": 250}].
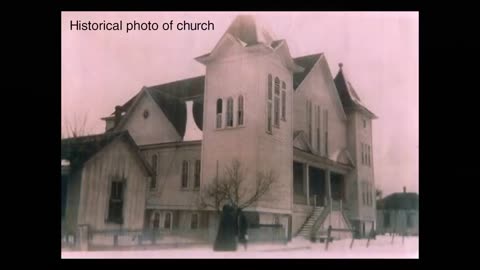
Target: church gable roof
[
  {"x": 173, "y": 107},
  {"x": 307, "y": 62},
  {"x": 79, "y": 150},
  {"x": 170, "y": 97}
]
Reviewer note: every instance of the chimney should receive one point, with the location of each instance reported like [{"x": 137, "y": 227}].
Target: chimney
[
  {"x": 118, "y": 115},
  {"x": 404, "y": 189}
]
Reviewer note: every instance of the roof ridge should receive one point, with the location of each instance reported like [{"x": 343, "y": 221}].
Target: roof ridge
[
  {"x": 177, "y": 81},
  {"x": 93, "y": 136}
]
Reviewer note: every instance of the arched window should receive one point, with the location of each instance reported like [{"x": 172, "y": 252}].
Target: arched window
[
  {"x": 185, "y": 174},
  {"x": 230, "y": 112},
  {"x": 153, "y": 183},
  {"x": 167, "y": 222},
  {"x": 276, "y": 104},
  {"x": 219, "y": 113},
  {"x": 156, "y": 220},
  {"x": 277, "y": 86},
  {"x": 240, "y": 111}
]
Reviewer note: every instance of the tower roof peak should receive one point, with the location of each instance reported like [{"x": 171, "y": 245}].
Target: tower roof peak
[{"x": 251, "y": 30}]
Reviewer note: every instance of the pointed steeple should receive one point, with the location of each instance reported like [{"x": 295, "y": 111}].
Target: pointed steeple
[{"x": 347, "y": 93}]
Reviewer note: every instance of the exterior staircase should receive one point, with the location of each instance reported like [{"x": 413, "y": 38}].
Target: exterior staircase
[
  {"x": 314, "y": 227},
  {"x": 317, "y": 214}
]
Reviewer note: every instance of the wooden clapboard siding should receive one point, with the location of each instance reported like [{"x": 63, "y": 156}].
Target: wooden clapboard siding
[
  {"x": 72, "y": 203},
  {"x": 116, "y": 159}
]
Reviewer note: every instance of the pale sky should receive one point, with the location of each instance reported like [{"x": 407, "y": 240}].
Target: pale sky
[{"x": 379, "y": 50}]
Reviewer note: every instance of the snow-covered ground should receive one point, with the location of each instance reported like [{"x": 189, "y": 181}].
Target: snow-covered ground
[{"x": 298, "y": 248}]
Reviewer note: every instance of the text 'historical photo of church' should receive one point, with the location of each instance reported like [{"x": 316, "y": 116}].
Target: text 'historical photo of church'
[{"x": 239, "y": 135}]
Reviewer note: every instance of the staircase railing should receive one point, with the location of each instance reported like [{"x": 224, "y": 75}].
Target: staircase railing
[
  {"x": 306, "y": 220},
  {"x": 319, "y": 221}
]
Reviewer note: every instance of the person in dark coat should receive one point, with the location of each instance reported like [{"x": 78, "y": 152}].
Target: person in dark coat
[
  {"x": 226, "y": 235},
  {"x": 242, "y": 229}
]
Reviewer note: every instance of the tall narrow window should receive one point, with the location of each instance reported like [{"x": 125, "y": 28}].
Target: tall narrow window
[
  {"x": 194, "y": 221},
  {"x": 363, "y": 153},
  {"x": 269, "y": 104},
  {"x": 219, "y": 113},
  {"x": 115, "y": 206},
  {"x": 230, "y": 112},
  {"x": 156, "y": 220},
  {"x": 270, "y": 87},
  {"x": 369, "y": 156},
  {"x": 284, "y": 102},
  {"x": 240, "y": 111},
  {"x": 277, "y": 86},
  {"x": 326, "y": 131},
  {"x": 369, "y": 194},
  {"x": 364, "y": 193},
  {"x": 167, "y": 222},
  {"x": 276, "y": 107},
  {"x": 197, "y": 174},
  {"x": 309, "y": 121},
  {"x": 153, "y": 184},
  {"x": 185, "y": 174}
]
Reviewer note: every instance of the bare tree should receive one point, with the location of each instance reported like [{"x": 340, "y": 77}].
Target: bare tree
[
  {"x": 234, "y": 189},
  {"x": 75, "y": 128}
]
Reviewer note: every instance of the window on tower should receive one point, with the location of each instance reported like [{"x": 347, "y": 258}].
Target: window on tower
[
  {"x": 276, "y": 108},
  {"x": 230, "y": 112},
  {"x": 219, "y": 113},
  {"x": 197, "y": 174},
  {"x": 185, "y": 174},
  {"x": 240, "y": 111},
  {"x": 269, "y": 104}
]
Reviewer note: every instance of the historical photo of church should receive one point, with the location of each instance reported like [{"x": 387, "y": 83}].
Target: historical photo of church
[{"x": 293, "y": 134}]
